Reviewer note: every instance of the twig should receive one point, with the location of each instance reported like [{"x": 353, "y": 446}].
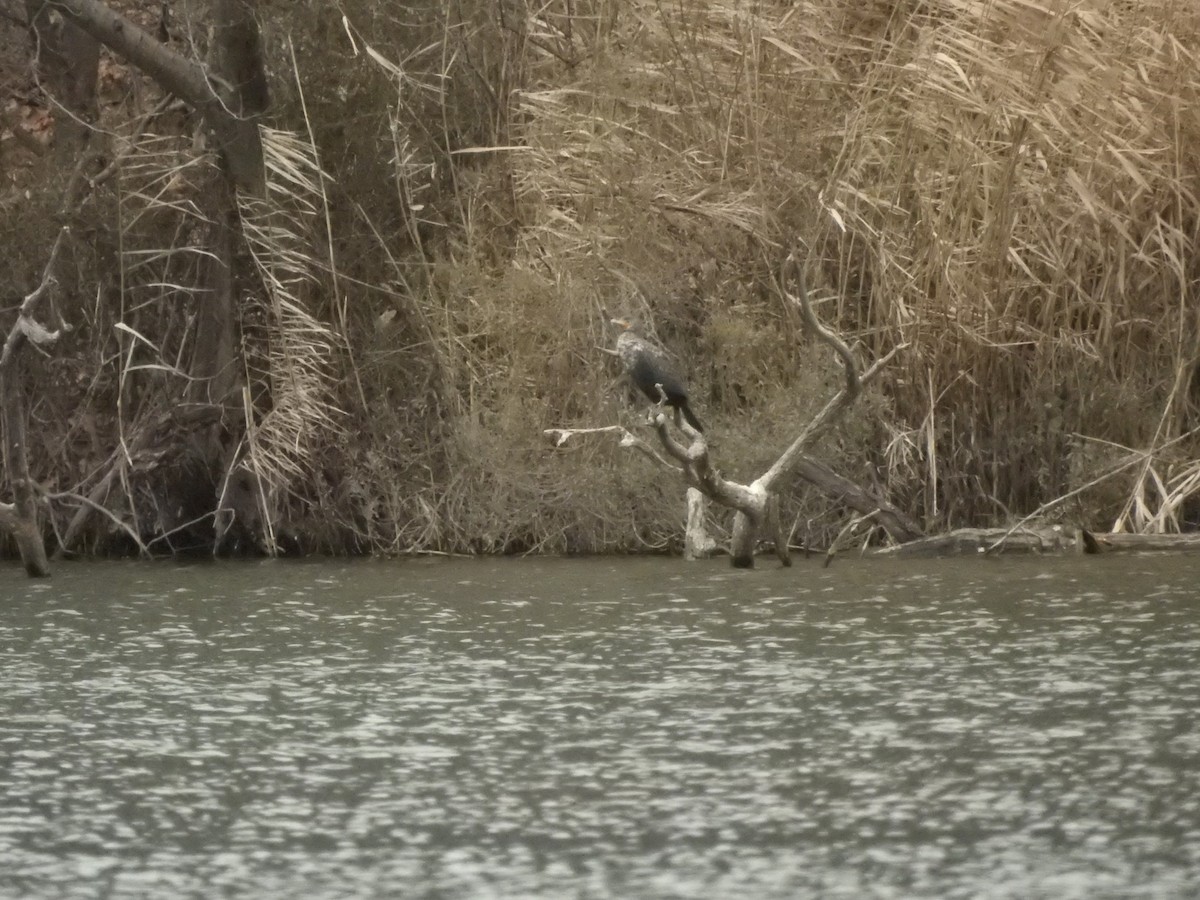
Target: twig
[
  {"x": 103, "y": 510},
  {"x": 628, "y": 439},
  {"x": 26, "y": 327},
  {"x": 111, "y": 169},
  {"x": 830, "y": 337},
  {"x": 851, "y": 527},
  {"x": 48, "y": 281},
  {"x": 167, "y": 534},
  {"x": 842, "y": 399}
]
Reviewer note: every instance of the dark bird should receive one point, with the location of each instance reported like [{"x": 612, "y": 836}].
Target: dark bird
[{"x": 650, "y": 370}]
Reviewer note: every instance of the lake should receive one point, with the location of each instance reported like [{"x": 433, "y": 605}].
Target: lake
[{"x": 615, "y": 728}]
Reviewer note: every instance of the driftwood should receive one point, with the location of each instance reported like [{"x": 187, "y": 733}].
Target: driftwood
[
  {"x": 1048, "y": 540},
  {"x": 755, "y": 504},
  {"x": 20, "y": 518},
  {"x": 1149, "y": 543}
]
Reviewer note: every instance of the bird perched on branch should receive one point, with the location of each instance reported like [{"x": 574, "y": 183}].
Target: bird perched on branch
[{"x": 650, "y": 370}]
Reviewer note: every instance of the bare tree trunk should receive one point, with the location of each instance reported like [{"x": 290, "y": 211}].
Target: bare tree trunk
[
  {"x": 231, "y": 93},
  {"x": 214, "y": 367},
  {"x": 238, "y": 57},
  {"x": 696, "y": 541},
  {"x": 237, "y": 61},
  {"x": 21, "y": 517},
  {"x": 745, "y": 537}
]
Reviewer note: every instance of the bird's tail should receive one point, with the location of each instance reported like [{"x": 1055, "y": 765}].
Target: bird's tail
[{"x": 690, "y": 416}]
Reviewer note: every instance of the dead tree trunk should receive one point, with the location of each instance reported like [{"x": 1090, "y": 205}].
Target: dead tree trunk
[
  {"x": 748, "y": 521},
  {"x": 214, "y": 368},
  {"x": 237, "y": 61},
  {"x": 238, "y": 56},
  {"x": 20, "y": 518}
]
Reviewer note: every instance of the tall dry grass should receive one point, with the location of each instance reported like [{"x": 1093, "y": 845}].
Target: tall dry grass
[
  {"x": 1007, "y": 187},
  {"x": 1016, "y": 194}
]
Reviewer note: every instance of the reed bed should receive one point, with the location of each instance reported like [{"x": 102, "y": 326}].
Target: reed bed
[{"x": 1007, "y": 188}]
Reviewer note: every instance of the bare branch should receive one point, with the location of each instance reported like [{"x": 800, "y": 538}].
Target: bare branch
[
  {"x": 755, "y": 504},
  {"x": 47, "y": 273},
  {"x": 25, "y": 326},
  {"x": 840, "y": 401},
  {"x": 21, "y": 519},
  {"x": 834, "y": 340},
  {"x": 628, "y": 440},
  {"x": 166, "y": 535},
  {"x": 103, "y": 510},
  {"x": 852, "y": 527}
]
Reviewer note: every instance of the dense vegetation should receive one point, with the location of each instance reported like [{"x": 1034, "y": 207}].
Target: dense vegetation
[{"x": 462, "y": 189}]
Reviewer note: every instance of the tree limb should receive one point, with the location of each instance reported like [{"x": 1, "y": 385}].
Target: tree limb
[
  {"x": 628, "y": 439},
  {"x": 1135, "y": 458},
  {"x": 237, "y": 136},
  {"x": 840, "y": 401},
  {"x": 104, "y": 511}
]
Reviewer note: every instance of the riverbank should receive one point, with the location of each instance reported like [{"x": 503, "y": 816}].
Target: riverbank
[{"x": 1008, "y": 194}]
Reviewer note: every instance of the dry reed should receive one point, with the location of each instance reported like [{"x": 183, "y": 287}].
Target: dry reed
[{"x": 1008, "y": 187}]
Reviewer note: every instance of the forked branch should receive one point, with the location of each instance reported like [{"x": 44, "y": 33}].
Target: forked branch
[
  {"x": 756, "y": 503},
  {"x": 842, "y": 400}
]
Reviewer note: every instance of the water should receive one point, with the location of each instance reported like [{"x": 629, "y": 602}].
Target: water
[{"x": 595, "y": 729}]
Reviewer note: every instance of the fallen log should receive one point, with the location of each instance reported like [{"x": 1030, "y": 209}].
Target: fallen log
[{"x": 1049, "y": 540}]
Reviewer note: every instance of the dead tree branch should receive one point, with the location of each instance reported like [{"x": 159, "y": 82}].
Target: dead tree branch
[
  {"x": 756, "y": 504},
  {"x": 1133, "y": 459},
  {"x": 104, "y": 511},
  {"x": 628, "y": 440},
  {"x": 20, "y": 518}
]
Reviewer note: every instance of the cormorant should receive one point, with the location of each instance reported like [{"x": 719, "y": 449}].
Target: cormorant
[{"x": 649, "y": 369}]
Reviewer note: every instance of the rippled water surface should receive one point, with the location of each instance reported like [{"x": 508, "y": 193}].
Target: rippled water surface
[{"x": 595, "y": 729}]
